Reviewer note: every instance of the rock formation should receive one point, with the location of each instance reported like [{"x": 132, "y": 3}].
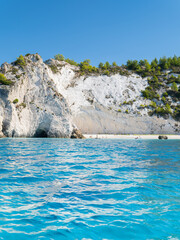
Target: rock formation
[
  {"x": 31, "y": 106},
  {"x": 52, "y": 99}
]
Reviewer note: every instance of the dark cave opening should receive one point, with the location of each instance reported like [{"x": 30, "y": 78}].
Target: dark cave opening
[{"x": 40, "y": 133}]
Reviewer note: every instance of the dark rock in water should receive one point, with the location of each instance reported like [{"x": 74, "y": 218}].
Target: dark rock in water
[
  {"x": 77, "y": 134},
  {"x": 162, "y": 137}
]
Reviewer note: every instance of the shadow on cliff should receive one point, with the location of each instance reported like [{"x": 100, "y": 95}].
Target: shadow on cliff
[
  {"x": 7, "y": 112},
  {"x": 40, "y": 133}
]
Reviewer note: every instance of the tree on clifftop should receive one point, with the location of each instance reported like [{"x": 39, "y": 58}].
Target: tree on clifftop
[
  {"x": 59, "y": 57},
  {"x": 20, "y": 61}
]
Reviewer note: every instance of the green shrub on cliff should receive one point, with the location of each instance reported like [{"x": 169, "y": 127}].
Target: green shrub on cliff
[
  {"x": 54, "y": 68},
  {"x": 86, "y": 68},
  {"x": 153, "y": 104},
  {"x": 107, "y": 65},
  {"x": 165, "y": 94},
  {"x": 148, "y": 93},
  {"x": 163, "y": 99},
  {"x": 162, "y": 111},
  {"x": 176, "y": 113},
  {"x": 107, "y": 73},
  {"x": 174, "y": 87},
  {"x": 4, "y": 80},
  {"x": 101, "y": 65},
  {"x": 20, "y": 61},
  {"x": 15, "y": 101},
  {"x": 59, "y": 57},
  {"x": 132, "y": 65},
  {"x": 114, "y": 64},
  {"x": 154, "y": 63},
  {"x": 72, "y": 62},
  {"x": 168, "y": 108}
]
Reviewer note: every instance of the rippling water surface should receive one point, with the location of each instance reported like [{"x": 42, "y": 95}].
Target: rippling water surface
[{"x": 89, "y": 189}]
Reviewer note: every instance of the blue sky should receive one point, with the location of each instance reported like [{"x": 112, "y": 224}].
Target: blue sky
[{"x": 99, "y": 30}]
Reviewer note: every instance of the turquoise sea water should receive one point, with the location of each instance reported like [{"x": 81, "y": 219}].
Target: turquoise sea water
[{"x": 89, "y": 189}]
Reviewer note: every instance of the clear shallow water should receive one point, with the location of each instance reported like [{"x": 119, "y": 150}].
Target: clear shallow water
[{"x": 89, "y": 189}]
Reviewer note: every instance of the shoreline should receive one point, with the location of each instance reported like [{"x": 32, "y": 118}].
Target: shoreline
[
  {"x": 111, "y": 136},
  {"x": 130, "y": 136}
]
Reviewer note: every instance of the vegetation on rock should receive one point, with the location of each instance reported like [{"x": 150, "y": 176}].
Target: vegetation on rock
[
  {"x": 15, "y": 101},
  {"x": 163, "y": 77},
  {"x": 20, "y": 61},
  {"x": 54, "y": 68},
  {"x": 4, "y": 80}
]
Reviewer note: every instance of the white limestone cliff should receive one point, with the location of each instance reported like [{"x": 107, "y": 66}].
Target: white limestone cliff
[
  {"x": 40, "y": 110},
  {"x": 53, "y": 103}
]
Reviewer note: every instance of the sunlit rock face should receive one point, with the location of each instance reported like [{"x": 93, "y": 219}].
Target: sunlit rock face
[
  {"x": 109, "y": 104},
  {"x": 32, "y": 107},
  {"x": 51, "y": 99}
]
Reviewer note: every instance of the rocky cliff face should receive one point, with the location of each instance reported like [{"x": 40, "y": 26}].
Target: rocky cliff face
[
  {"x": 51, "y": 99},
  {"x": 32, "y": 107}
]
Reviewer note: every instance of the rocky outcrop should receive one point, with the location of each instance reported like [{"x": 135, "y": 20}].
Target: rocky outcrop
[
  {"x": 77, "y": 134},
  {"x": 52, "y": 99},
  {"x": 110, "y": 104},
  {"x": 32, "y": 107},
  {"x": 163, "y": 137}
]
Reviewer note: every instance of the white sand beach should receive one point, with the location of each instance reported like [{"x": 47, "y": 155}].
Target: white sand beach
[{"x": 130, "y": 136}]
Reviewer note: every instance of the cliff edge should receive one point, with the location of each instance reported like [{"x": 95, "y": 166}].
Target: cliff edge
[{"x": 52, "y": 98}]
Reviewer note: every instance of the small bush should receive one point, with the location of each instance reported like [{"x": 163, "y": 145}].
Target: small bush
[
  {"x": 142, "y": 106},
  {"x": 18, "y": 76},
  {"x": 86, "y": 68},
  {"x": 132, "y": 65},
  {"x": 15, "y": 101},
  {"x": 165, "y": 94},
  {"x": 176, "y": 114},
  {"x": 174, "y": 87},
  {"x": 54, "y": 68},
  {"x": 59, "y": 57},
  {"x": 22, "y": 104},
  {"x": 20, "y": 61},
  {"x": 101, "y": 65},
  {"x": 161, "y": 111},
  {"x": 148, "y": 93},
  {"x": 168, "y": 109},
  {"x": 4, "y": 80},
  {"x": 153, "y": 104},
  {"x": 164, "y": 99},
  {"x": 107, "y": 65},
  {"x": 114, "y": 64},
  {"x": 126, "y": 111},
  {"x": 107, "y": 73},
  {"x": 157, "y": 96},
  {"x": 174, "y": 79},
  {"x": 72, "y": 62}
]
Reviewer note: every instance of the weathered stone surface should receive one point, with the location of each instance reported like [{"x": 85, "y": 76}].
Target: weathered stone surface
[
  {"x": 77, "y": 134},
  {"x": 53, "y": 99},
  {"x": 40, "y": 111},
  {"x": 111, "y": 105}
]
